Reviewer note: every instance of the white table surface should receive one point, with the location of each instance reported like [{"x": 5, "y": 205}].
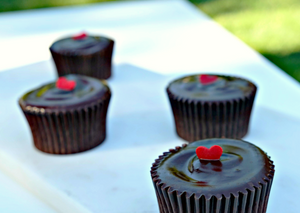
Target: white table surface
[
  {"x": 155, "y": 42},
  {"x": 15, "y": 199}
]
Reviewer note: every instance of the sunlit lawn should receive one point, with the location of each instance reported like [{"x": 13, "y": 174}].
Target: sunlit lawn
[{"x": 271, "y": 27}]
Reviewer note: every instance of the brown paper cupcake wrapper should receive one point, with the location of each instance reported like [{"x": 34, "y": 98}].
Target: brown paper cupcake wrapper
[
  {"x": 97, "y": 65},
  {"x": 196, "y": 120},
  {"x": 68, "y": 131},
  {"x": 251, "y": 200}
]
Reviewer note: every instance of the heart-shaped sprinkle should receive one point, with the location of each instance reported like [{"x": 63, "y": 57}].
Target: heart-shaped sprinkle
[
  {"x": 65, "y": 84},
  {"x": 79, "y": 36},
  {"x": 214, "y": 153},
  {"x": 207, "y": 79}
]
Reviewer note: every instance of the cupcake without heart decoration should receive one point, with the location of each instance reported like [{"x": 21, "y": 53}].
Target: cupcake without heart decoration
[
  {"x": 69, "y": 115},
  {"x": 83, "y": 54},
  {"x": 213, "y": 175},
  {"x": 211, "y": 106}
]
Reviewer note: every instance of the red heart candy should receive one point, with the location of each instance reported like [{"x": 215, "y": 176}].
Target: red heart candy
[
  {"x": 65, "y": 84},
  {"x": 207, "y": 79},
  {"x": 80, "y": 36},
  {"x": 214, "y": 153}
]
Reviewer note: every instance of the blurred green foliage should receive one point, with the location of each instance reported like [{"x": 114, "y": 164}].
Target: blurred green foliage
[
  {"x": 12, "y": 5},
  {"x": 272, "y": 27}
]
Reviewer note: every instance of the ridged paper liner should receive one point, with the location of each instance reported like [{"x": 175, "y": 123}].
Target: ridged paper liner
[
  {"x": 253, "y": 199},
  {"x": 64, "y": 131},
  {"x": 197, "y": 120},
  {"x": 97, "y": 65}
]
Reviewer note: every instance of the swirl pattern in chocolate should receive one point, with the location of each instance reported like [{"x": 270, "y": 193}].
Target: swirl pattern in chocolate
[
  {"x": 88, "y": 45},
  {"x": 241, "y": 164},
  {"x": 87, "y": 90},
  {"x": 223, "y": 88}
]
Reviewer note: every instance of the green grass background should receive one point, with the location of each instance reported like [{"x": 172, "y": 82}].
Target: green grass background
[{"x": 272, "y": 27}]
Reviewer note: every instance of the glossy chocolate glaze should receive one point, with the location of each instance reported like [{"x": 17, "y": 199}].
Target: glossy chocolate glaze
[
  {"x": 88, "y": 45},
  {"x": 87, "y": 90},
  {"x": 224, "y": 88},
  {"x": 241, "y": 166}
]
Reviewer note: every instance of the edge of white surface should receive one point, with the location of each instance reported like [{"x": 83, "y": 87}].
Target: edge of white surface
[
  {"x": 32, "y": 183},
  {"x": 15, "y": 198}
]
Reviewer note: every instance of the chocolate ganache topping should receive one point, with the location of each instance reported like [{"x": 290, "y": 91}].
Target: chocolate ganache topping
[
  {"x": 48, "y": 96},
  {"x": 241, "y": 166},
  {"x": 88, "y": 45},
  {"x": 222, "y": 88}
]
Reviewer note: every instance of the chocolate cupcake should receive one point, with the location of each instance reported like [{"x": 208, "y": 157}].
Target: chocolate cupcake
[
  {"x": 84, "y": 55},
  {"x": 67, "y": 116},
  {"x": 211, "y": 106},
  {"x": 239, "y": 181}
]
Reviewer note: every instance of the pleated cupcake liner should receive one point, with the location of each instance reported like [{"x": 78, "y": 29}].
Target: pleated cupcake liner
[
  {"x": 253, "y": 199},
  {"x": 61, "y": 131},
  {"x": 97, "y": 65},
  {"x": 196, "y": 119}
]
